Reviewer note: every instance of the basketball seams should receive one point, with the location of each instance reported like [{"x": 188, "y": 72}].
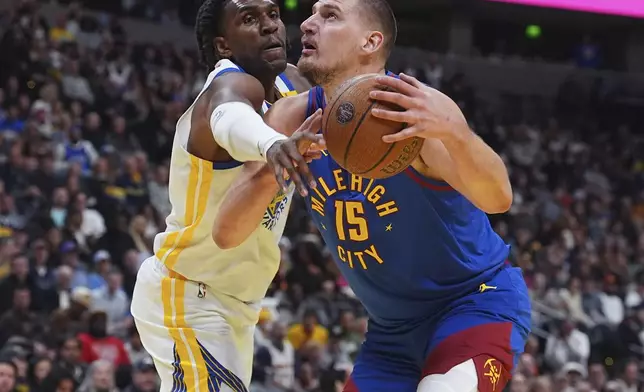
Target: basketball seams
[
  {"x": 336, "y": 101},
  {"x": 355, "y": 131}
]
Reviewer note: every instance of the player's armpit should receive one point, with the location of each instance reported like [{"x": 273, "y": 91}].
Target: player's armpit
[
  {"x": 484, "y": 183},
  {"x": 244, "y": 205}
]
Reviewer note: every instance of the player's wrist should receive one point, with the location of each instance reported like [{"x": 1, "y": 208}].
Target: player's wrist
[
  {"x": 458, "y": 137},
  {"x": 270, "y": 143}
]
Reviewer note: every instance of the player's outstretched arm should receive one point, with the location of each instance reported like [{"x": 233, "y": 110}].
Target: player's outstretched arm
[
  {"x": 246, "y": 201},
  {"x": 234, "y": 120},
  {"x": 451, "y": 149},
  {"x": 239, "y": 129}
]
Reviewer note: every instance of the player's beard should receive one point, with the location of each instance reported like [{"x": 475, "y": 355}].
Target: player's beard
[{"x": 317, "y": 75}]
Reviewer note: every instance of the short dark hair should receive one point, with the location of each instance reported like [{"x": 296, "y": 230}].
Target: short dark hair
[
  {"x": 380, "y": 13},
  {"x": 207, "y": 27}
]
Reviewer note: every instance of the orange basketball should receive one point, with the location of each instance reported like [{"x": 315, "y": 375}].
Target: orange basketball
[{"x": 354, "y": 136}]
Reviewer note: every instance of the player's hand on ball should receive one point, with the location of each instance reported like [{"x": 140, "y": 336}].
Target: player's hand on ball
[
  {"x": 427, "y": 112},
  {"x": 288, "y": 158}
]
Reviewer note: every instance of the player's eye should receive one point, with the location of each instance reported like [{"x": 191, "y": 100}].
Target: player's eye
[
  {"x": 331, "y": 15},
  {"x": 249, "y": 19},
  {"x": 274, "y": 15}
]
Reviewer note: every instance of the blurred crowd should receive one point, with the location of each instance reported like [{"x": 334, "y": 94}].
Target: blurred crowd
[{"x": 86, "y": 125}]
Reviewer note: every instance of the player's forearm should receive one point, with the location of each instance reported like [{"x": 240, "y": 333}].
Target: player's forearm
[
  {"x": 482, "y": 171},
  {"x": 244, "y": 205},
  {"x": 242, "y": 132}
]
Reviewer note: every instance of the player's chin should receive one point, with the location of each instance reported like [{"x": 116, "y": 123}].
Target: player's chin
[{"x": 307, "y": 65}]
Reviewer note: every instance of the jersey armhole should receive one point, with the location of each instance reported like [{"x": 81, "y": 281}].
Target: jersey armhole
[
  {"x": 285, "y": 86},
  {"x": 428, "y": 183},
  {"x": 227, "y": 71}
]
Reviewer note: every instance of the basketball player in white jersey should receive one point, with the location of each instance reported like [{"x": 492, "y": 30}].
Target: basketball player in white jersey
[{"x": 195, "y": 304}]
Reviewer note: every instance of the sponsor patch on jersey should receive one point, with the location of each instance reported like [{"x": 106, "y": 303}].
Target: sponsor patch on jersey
[{"x": 274, "y": 211}]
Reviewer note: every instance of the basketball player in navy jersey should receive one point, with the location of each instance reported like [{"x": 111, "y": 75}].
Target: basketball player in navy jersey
[{"x": 447, "y": 311}]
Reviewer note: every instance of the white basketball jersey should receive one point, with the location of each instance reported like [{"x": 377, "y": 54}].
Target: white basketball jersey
[{"x": 197, "y": 188}]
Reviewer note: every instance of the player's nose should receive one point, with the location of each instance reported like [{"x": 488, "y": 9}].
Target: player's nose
[
  {"x": 307, "y": 26},
  {"x": 269, "y": 26}
]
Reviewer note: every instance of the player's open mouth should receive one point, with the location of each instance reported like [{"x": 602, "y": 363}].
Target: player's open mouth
[{"x": 307, "y": 47}]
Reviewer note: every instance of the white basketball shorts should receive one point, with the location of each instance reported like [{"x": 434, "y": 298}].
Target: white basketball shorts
[{"x": 200, "y": 340}]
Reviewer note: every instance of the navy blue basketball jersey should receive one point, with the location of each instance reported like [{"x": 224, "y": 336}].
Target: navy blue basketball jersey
[{"x": 407, "y": 245}]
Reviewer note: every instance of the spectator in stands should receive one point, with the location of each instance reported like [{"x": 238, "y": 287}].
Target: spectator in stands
[
  {"x": 70, "y": 359},
  {"x": 71, "y": 259},
  {"x": 19, "y": 320},
  {"x": 40, "y": 371},
  {"x": 144, "y": 377},
  {"x": 102, "y": 267},
  {"x": 112, "y": 300},
  {"x": 8, "y": 374},
  {"x": 98, "y": 345},
  {"x": 567, "y": 345},
  {"x": 18, "y": 278},
  {"x": 42, "y": 278},
  {"x": 309, "y": 330},
  {"x": 99, "y": 378}
]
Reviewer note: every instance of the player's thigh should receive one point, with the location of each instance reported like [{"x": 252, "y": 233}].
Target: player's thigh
[
  {"x": 378, "y": 370},
  {"x": 193, "y": 346},
  {"x": 489, "y": 327}
]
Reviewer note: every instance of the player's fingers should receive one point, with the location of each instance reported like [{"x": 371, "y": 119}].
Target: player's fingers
[
  {"x": 318, "y": 146},
  {"x": 401, "y": 100},
  {"x": 280, "y": 174},
  {"x": 398, "y": 85},
  {"x": 313, "y": 123},
  {"x": 307, "y": 140},
  {"x": 312, "y": 155},
  {"x": 411, "y": 80},
  {"x": 302, "y": 167},
  {"x": 392, "y": 115},
  {"x": 296, "y": 178},
  {"x": 402, "y": 135}
]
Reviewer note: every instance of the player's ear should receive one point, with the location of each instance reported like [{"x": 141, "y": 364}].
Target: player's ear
[
  {"x": 374, "y": 42},
  {"x": 222, "y": 48}
]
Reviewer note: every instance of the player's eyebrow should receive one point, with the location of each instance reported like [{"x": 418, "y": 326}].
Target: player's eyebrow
[{"x": 328, "y": 6}]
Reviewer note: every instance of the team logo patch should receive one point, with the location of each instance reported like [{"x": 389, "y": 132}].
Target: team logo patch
[
  {"x": 492, "y": 374},
  {"x": 274, "y": 211},
  {"x": 345, "y": 112}
]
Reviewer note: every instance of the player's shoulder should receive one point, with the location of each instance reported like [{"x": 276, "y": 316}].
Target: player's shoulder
[
  {"x": 291, "y": 106},
  {"x": 232, "y": 86},
  {"x": 287, "y": 114},
  {"x": 300, "y": 83}
]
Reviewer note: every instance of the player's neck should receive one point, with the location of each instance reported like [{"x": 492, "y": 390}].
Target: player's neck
[
  {"x": 336, "y": 81},
  {"x": 268, "y": 83}
]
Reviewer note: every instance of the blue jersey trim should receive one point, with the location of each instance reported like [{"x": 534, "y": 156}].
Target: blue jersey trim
[
  {"x": 224, "y": 165},
  {"x": 309, "y": 106},
  {"x": 286, "y": 81},
  {"x": 229, "y": 70}
]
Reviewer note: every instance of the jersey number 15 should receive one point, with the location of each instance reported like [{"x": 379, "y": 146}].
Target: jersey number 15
[{"x": 350, "y": 214}]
